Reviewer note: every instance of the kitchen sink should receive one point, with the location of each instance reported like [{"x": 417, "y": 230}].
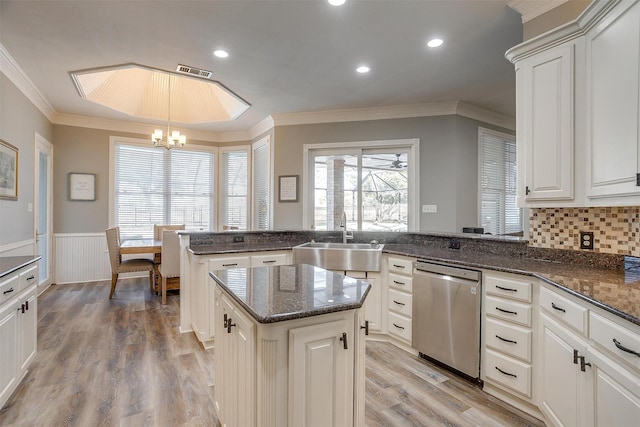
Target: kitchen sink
[{"x": 340, "y": 256}]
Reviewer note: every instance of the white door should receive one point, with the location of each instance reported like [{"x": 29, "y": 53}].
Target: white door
[{"x": 43, "y": 209}]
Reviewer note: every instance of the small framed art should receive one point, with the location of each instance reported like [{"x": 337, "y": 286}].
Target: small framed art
[
  {"x": 8, "y": 171},
  {"x": 288, "y": 185},
  {"x": 82, "y": 186}
]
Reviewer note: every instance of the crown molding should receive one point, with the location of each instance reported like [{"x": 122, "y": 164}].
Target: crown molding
[
  {"x": 530, "y": 9},
  {"x": 143, "y": 128},
  {"x": 264, "y": 126},
  {"x": 396, "y": 112},
  {"x": 17, "y": 76}
]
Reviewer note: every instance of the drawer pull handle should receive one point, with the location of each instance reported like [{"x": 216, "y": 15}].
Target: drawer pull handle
[
  {"x": 399, "y": 303},
  {"x": 555, "y": 307},
  {"x": 31, "y": 277},
  {"x": 625, "y": 349},
  {"x": 8, "y": 291},
  {"x": 271, "y": 261},
  {"x": 506, "y": 373},
  {"x": 398, "y": 266},
  {"x": 506, "y": 340},
  {"x": 506, "y": 289},
  {"x": 398, "y": 326},
  {"x": 398, "y": 283},
  {"x": 230, "y": 265},
  {"x": 507, "y": 311}
]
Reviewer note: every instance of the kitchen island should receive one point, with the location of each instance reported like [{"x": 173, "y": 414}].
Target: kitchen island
[{"x": 289, "y": 346}]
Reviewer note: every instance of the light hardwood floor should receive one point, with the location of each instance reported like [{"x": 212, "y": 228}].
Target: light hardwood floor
[{"x": 123, "y": 362}]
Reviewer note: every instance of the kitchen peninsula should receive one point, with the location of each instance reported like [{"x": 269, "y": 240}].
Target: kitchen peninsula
[{"x": 291, "y": 346}]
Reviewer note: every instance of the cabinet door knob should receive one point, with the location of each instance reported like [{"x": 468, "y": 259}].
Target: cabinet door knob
[
  {"x": 343, "y": 338},
  {"x": 365, "y": 327}
]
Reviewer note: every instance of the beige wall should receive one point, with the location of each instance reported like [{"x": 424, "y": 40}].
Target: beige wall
[
  {"x": 560, "y": 15},
  {"x": 87, "y": 150},
  {"x": 19, "y": 122},
  {"x": 448, "y": 163}
]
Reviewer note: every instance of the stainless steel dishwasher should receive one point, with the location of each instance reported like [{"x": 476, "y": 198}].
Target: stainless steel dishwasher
[{"x": 446, "y": 316}]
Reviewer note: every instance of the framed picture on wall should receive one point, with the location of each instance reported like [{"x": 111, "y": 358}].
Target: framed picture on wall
[
  {"x": 8, "y": 171},
  {"x": 82, "y": 186},
  {"x": 288, "y": 188}
]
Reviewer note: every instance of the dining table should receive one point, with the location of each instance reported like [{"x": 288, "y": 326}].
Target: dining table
[{"x": 144, "y": 246}]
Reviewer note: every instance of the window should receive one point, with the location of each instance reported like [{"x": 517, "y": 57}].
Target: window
[
  {"x": 261, "y": 188},
  {"x": 374, "y": 187},
  {"x": 497, "y": 159},
  {"x": 234, "y": 188},
  {"x": 158, "y": 186}
]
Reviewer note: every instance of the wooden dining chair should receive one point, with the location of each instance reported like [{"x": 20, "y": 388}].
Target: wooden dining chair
[
  {"x": 127, "y": 266},
  {"x": 158, "y": 229},
  {"x": 169, "y": 269}
]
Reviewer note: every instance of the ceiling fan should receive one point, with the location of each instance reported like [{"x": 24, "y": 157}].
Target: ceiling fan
[{"x": 397, "y": 163}]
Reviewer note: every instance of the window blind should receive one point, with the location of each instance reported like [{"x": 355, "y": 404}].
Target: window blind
[
  {"x": 261, "y": 186},
  {"x": 498, "y": 211},
  {"x": 157, "y": 186},
  {"x": 234, "y": 189}
]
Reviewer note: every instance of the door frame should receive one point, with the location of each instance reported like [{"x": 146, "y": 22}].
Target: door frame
[{"x": 43, "y": 145}]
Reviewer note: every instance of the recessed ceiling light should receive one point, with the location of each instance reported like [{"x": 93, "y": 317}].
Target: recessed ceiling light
[
  {"x": 434, "y": 42},
  {"x": 363, "y": 69},
  {"x": 336, "y": 2},
  {"x": 221, "y": 53}
]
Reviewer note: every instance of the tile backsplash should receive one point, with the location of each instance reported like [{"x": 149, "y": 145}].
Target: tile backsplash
[{"x": 616, "y": 230}]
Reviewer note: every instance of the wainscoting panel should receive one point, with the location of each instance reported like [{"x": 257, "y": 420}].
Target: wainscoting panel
[{"x": 80, "y": 257}]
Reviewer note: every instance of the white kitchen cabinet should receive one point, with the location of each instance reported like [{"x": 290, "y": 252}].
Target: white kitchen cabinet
[
  {"x": 201, "y": 307},
  {"x": 613, "y": 96},
  {"x": 508, "y": 364},
  {"x": 398, "y": 297},
  {"x": 565, "y": 387},
  {"x": 307, "y": 371},
  {"x": 373, "y": 303},
  {"x": 590, "y": 372},
  {"x": 235, "y": 361},
  {"x": 18, "y": 327},
  {"x": 320, "y": 372},
  {"x": 545, "y": 114}
]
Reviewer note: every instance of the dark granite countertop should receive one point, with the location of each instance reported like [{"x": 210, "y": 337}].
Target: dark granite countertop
[
  {"x": 10, "y": 264},
  {"x": 279, "y": 293},
  {"x": 614, "y": 290}
]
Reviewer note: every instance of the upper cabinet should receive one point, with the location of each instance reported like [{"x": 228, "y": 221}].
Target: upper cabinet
[
  {"x": 578, "y": 110},
  {"x": 545, "y": 125},
  {"x": 613, "y": 77}
]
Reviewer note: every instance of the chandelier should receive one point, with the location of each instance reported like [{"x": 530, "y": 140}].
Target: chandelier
[{"x": 174, "y": 138}]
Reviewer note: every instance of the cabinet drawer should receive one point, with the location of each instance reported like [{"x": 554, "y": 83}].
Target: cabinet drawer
[
  {"x": 9, "y": 287},
  {"x": 400, "y": 302},
  {"x": 401, "y": 265},
  {"x": 404, "y": 283},
  {"x": 562, "y": 308},
  {"x": 508, "y": 287},
  {"x": 277, "y": 258},
  {"x": 400, "y": 326},
  {"x": 230, "y": 262},
  {"x": 509, "y": 310},
  {"x": 509, "y": 372},
  {"x": 603, "y": 331},
  {"x": 29, "y": 277},
  {"x": 509, "y": 339}
]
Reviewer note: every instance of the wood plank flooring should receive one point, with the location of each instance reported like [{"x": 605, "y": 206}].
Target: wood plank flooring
[{"x": 123, "y": 362}]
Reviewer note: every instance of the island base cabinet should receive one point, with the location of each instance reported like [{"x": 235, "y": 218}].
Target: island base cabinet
[
  {"x": 8, "y": 358},
  {"x": 320, "y": 366},
  {"x": 300, "y": 372}
]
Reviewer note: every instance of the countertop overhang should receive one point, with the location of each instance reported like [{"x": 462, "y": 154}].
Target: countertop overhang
[
  {"x": 10, "y": 264},
  {"x": 286, "y": 292}
]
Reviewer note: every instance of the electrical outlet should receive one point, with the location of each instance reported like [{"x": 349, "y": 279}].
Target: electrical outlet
[
  {"x": 586, "y": 240},
  {"x": 429, "y": 208},
  {"x": 454, "y": 244},
  {"x": 238, "y": 239}
]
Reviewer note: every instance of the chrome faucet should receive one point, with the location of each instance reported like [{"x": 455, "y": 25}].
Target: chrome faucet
[{"x": 346, "y": 235}]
